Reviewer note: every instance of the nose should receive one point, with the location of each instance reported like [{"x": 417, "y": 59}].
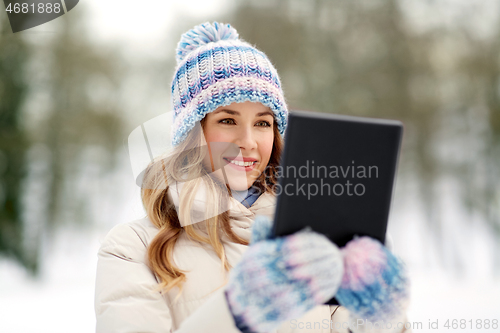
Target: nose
[{"x": 247, "y": 139}]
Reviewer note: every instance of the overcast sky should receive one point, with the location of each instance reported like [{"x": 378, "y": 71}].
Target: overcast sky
[{"x": 145, "y": 24}]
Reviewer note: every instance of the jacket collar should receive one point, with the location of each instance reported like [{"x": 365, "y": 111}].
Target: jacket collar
[{"x": 241, "y": 216}]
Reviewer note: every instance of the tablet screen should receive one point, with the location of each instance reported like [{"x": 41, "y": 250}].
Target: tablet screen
[{"x": 336, "y": 175}]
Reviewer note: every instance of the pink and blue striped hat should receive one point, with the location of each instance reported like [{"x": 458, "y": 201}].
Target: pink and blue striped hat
[{"x": 216, "y": 68}]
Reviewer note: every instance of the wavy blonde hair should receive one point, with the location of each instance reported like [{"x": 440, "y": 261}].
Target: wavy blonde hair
[{"x": 186, "y": 160}]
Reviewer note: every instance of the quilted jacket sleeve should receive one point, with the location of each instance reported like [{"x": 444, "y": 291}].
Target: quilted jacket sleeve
[{"x": 126, "y": 300}]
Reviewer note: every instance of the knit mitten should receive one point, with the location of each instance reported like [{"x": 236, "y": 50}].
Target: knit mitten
[
  {"x": 375, "y": 287},
  {"x": 282, "y": 278}
]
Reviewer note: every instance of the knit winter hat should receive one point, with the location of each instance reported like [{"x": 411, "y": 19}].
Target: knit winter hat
[{"x": 215, "y": 68}]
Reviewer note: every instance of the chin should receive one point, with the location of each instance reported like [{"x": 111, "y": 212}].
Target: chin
[{"x": 240, "y": 185}]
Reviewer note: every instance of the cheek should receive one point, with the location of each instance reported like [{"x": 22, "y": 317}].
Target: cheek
[
  {"x": 266, "y": 147},
  {"x": 214, "y": 136}
]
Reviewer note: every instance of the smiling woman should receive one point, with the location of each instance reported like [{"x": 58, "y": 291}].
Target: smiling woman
[
  {"x": 187, "y": 266},
  {"x": 248, "y": 125}
]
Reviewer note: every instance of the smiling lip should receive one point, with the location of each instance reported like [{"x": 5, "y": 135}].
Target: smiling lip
[
  {"x": 239, "y": 159},
  {"x": 241, "y": 167}
]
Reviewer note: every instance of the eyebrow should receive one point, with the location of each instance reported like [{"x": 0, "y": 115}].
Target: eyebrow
[{"x": 236, "y": 113}]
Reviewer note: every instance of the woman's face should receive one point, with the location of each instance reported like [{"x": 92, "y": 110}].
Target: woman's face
[{"x": 240, "y": 138}]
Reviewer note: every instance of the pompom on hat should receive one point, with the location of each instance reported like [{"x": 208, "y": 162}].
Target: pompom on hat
[{"x": 215, "y": 68}]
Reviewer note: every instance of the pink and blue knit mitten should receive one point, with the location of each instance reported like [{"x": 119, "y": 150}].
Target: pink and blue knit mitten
[
  {"x": 375, "y": 284},
  {"x": 282, "y": 278}
]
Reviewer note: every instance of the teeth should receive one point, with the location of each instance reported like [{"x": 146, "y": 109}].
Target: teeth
[{"x": 242, "y": 163}]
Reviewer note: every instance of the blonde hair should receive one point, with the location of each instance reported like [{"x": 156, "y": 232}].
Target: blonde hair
[{"x": 186, "y": 160}]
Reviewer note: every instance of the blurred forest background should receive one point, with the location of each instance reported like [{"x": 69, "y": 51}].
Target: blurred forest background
[
  {"x": 432, "y": 65},
  {"x": 68, "y": 103}
]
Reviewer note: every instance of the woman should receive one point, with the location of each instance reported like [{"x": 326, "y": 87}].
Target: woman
[{"x": 188, "y": 266}]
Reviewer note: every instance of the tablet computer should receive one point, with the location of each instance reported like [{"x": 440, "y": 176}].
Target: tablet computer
[{"x": 337, "y": 175}]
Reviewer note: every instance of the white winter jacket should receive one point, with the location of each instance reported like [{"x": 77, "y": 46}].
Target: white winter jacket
[{"x": 126, "y": 300}]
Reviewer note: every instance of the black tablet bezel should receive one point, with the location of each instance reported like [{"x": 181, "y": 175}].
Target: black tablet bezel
[{"x": 295, "y": 117}]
